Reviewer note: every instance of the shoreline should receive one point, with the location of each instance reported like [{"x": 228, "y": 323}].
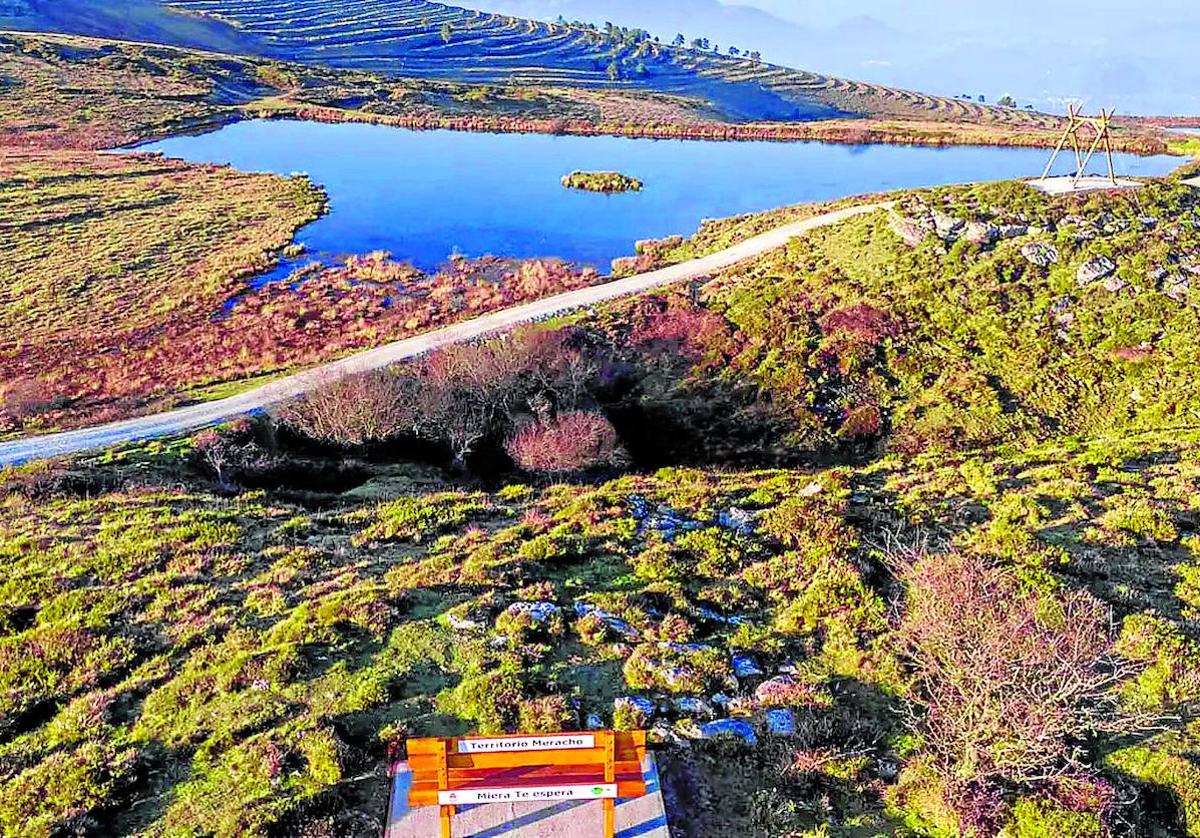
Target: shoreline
[{"x": 834, "y": 132}]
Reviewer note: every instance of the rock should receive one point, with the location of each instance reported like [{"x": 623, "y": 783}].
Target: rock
[
  {"x": 594, "y": 722},
  {"x": 713, "y": 616},
  {"x": 691, "y": 706},
  {"x": 663, "y": 734},
  {"x": 745, "y": 667},
  {"x": 1040, "y": 255},
  {"x": 729, "y": 727},
  {"x": 948, "y": 228},
  {"x": 1148, "y": 221},
  {"x": 1085, "y": 229},
  {"x": 1177, "y": 287},
  {"x": 615, "y": 624},
  {"x": 1094, "y": 270},
  {"x": 1060, "y": 310},
  {"x": 463, "y": 623},
  {"x": 539, "y": 612},
  {"x": 910, "y": 232},
  {"x": 781, "y": 722},
  {"x": 811, "y": 490},
  {"x": 1114, "y": 284},
  {"x": 739, "y": 520},
  {"x": 887, "y": 769},
  {"x": 1116, "y": 226},
  {"x": 980, "y": 233},
  {"x": 1012, "y": 231},
  {"x": 634, "y": 702}
]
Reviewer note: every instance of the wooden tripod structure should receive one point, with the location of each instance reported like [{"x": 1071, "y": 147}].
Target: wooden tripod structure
[{"x": 1078, "y": 127}]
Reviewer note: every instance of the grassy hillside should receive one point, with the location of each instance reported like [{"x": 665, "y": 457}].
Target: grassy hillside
[
  {"x": 425, "y": 39},
  {"x": 865, "y": 482}
]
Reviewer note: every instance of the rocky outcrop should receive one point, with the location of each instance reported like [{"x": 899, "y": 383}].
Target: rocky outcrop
[
  {"x": 980, "y": 233},
  {"x": 1094, "y": 270},
  {"x": 910, "y": 231},
  {"x": 1040, "y": 254},
  {"x": 947, "y": 227}
]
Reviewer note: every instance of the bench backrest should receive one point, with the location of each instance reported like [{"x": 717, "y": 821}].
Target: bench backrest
[{"x": 601, "y": 765}]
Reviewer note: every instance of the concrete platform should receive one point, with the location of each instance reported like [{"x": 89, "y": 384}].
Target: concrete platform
[
  {"x": 643, "y": 817},
  {"x": 1192, "y": 182},
  {"x": 1090, "y": 183}
]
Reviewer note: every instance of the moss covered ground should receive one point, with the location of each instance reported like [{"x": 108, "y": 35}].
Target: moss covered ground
[{"x": 187, "y": 655}]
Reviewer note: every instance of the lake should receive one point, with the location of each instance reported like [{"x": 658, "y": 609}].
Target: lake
[{"x": 424, "y": 195}]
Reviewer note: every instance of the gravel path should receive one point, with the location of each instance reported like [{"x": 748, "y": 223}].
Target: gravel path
[{"x": 196, "y": 416}]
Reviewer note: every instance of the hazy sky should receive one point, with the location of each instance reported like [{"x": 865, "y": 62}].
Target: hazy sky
[{"x": 1139, "y": 57}]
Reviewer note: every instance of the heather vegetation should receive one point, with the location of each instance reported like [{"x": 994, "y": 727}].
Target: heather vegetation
[
  {"x": 607, "y": 182},
  {"x": 889, "y": 532}
]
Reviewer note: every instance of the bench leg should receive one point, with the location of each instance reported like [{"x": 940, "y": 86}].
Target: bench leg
[
  {"x": 447, "y": 816},
  {"x": 610, "y": 817}
]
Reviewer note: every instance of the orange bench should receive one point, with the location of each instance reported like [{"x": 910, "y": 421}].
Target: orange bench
[{"x": 597, "y": 765}]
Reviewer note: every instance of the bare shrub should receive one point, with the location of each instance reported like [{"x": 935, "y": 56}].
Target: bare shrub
[
  {"x": 230, "y": 452},
  {"x": 470, "y": 392},
  {"x": 573, "y": 442},
  {"x": 1012, "y": 682},
  {"x": 355, "y": 410}
]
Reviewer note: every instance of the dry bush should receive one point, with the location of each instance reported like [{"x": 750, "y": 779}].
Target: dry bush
[
  {"x": 572, "y": 442},
  {"x": 468, "y": 393},
  {"x": 356, "y": 410},
  {"x": 231, "y": 452},
  {"x": 1012, "y": 682}
]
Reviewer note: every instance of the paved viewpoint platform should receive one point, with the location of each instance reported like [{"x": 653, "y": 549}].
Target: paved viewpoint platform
[
  {"x": 1088, "y": 183},
  {"x": 642, "y": 817}
]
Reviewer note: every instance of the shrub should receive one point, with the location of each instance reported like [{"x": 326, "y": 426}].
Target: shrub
[
  {"x": 548, "y": 714},
  {"x": 1008, "y": 679},
  {"x": 230, "y": 452},
  {"x": 571, "y": 443},
  {"x": 628, "y": 715},
  {"x": 678, "y": 668},
  {"x": 491, "y": 700},
  {"x": 469, "y": 393},
  {"x": 355, "y": 410}
]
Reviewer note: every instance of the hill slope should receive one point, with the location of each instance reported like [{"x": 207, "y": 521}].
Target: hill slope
[{"x": 425, "y": 39}]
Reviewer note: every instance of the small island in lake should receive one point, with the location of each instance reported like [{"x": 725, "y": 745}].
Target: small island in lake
[{"x": 606, "y": 182}]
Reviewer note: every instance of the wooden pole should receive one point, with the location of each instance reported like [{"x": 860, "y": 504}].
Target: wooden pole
[
  {"x": 1077, "y": 123},
  {"x": 1112, "y": 169},
  {"x": 447, "y": 812},
  {"x": 1101, "y": 131},
  {"x": 1062, "y": 142},
  {"x": 610, "y": 776}
]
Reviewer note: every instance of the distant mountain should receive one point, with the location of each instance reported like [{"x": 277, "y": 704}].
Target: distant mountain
[{"x": 425, "y": 39}]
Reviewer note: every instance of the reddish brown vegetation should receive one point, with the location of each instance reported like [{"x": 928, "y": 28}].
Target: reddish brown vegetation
[
  {"x": 845, "y": 131},
  {"x": 331, "y": 312},
  {"x": 1012, "y": 682},
  {"x": 458, "y": 396},
  {"x": 692, "y": 333},
  {"x": 569, "y": 443},
  {"x": 358, "y": 409}
]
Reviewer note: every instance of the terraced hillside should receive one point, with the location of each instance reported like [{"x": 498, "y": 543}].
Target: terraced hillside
[{"x": 425, "y": 39}]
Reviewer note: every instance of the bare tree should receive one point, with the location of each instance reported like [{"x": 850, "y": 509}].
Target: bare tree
[{"x": 354, "y": 410}]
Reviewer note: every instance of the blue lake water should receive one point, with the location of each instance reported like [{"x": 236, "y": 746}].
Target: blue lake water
[{"x": 424, "y": 195}]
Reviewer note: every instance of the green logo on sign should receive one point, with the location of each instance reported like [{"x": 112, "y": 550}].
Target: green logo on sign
[{"x": 598, "y": 790}]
